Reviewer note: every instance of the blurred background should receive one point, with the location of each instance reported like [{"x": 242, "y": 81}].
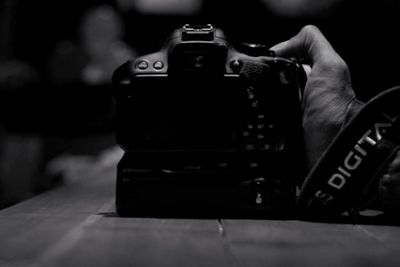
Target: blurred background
[{"x": 57, "y": 58}]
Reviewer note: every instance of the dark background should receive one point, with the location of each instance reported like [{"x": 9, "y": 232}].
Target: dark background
[
  {"x": 47, "y": 110},
  {"x": 364, "y": 33}
]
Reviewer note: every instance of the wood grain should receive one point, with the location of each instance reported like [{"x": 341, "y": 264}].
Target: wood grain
[{"x": 75, "y": 225}]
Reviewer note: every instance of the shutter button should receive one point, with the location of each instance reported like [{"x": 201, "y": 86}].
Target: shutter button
[{"x": 255, "y": 50}]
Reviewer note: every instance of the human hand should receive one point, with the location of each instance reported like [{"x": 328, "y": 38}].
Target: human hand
[
  {"x": 329, "y": 101},
  {"x": 389, "y": 188},
  {"x": 328, "y": 98}
]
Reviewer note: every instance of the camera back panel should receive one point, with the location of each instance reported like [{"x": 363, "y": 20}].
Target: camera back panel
[{"x": 224, "y": 140}]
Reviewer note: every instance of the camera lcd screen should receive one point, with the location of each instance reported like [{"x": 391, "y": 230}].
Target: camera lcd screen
[{"x": 199, "y": 112}]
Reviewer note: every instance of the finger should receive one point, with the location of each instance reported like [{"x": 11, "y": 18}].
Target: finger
[
  {"x": 281, "y": 49},
  {"x": 390, "y": 194},
  {"x": 290, "y": 48},
  {"x": 388, "y": 180},
  {"x": 394, "y": 166},
  {"x": 307, "y": 69},
  {"x": 309, "y": 45}
]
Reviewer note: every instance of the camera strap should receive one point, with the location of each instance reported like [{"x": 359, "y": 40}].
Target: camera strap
[{"x": 346, "y": 177}]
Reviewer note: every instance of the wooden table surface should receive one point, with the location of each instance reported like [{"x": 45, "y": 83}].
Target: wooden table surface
[{"x": 76, "y": 225}]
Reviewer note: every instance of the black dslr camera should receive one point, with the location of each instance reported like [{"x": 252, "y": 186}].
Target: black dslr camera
[{"x": 207, "y": 130}]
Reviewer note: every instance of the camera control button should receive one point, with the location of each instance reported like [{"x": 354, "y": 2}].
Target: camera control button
[
  {"x": 158, "y": 65},
  {"x": 250, "y": 147},
  {"x": 267, "y": 147},
  {"x": 253, "y": 165},
  {"x": 255, "y": 50},
  {"x": 223, "y": 165},
  {"x": 236, "y": 65},
  {"x": 142, "y": 65}
]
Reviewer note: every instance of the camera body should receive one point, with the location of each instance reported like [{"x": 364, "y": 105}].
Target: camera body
[{"x": 207, "y": 130}]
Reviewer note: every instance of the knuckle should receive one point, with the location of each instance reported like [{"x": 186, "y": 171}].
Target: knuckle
[{"x": 310, "y": 30}]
